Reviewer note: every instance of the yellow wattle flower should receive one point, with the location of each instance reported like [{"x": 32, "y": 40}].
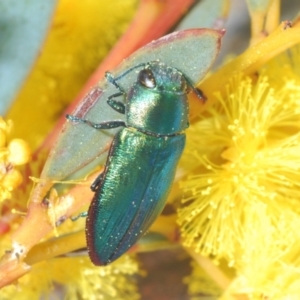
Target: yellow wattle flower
[
  {"x": 71, "y": 277},
  {"x": 242, "y": 201}
]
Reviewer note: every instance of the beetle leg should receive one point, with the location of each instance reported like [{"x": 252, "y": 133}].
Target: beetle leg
[
  {"x": 197, "y": 91},
  {"x": 200, "y": 94},
  {"x": 103, "y": 125},
  {"x": 96, "y": 182},
  {"x": 81, "y": 215},
  {"x": 116, "y": 105}
]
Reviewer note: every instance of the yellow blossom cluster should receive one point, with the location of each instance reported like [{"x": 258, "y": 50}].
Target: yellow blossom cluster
[
  {"x": 76, "y": 277},
  {"x": 13, "y": 153},
  {"x": 242, "y": 200}
]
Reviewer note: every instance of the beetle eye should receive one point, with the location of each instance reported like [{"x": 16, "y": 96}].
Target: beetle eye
[{"x": 147, "y": 79}]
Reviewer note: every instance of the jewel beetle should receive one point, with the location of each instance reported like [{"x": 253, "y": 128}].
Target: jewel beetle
[{"x": 133, "y": 188}]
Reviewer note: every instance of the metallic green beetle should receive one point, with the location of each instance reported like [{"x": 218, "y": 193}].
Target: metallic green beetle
[{"x": 141, "y": 164}]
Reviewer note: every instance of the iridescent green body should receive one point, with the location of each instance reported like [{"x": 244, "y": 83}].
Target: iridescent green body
[
  {"x": 140, "y": 168},
  {"x": 135, "y": 186}
]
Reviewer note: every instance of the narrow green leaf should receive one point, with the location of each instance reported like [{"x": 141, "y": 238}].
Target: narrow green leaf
[{"x": 23, "y": 26}]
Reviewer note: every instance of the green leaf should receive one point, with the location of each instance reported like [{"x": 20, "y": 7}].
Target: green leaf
[
  {"x": 23, "y": 26},
  {"x": 79, "y": 147}
]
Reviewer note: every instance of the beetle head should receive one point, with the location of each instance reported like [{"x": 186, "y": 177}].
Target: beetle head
[{"x": 157, "y": 102}]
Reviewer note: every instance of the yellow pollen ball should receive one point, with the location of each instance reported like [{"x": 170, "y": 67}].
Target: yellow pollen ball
[
  {"x": 19, "y": 152},
  {"x": 12, "y": 179}
]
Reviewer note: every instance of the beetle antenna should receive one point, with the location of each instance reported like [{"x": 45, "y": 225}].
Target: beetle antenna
[
  {"x": 130, "y": 70},
  {"x": 113, "y": 80}
]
